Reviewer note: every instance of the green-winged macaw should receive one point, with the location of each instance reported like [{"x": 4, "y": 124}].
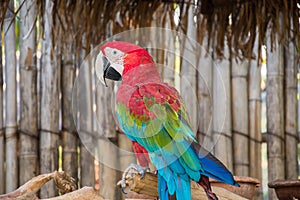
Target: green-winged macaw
[{"x": 153, "y": 116}]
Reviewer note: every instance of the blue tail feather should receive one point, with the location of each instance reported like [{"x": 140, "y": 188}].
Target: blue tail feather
[
  {"x": 177, "y": 184},
  {"x": 162, "y": 188},
  {"x": 183, "y": 189},
  {"x": 212, "y": 167}
]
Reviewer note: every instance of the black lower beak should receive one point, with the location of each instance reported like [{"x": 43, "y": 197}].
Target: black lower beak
[{"x": 109, "y": 71}]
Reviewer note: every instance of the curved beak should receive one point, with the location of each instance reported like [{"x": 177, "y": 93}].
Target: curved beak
[{"x": 104, "y": 69}]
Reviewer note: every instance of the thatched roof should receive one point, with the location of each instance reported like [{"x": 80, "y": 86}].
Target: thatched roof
[{"x": 249, "y": 19}]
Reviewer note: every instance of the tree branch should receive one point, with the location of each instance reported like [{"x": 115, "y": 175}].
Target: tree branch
[
  {"x": 64, "y": 184},
  {"x": 137, "y": 188},
  {"x": 146, "y": 188}
]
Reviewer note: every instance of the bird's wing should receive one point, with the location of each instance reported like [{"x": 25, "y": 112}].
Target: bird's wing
[{"x": 154, "y": 116}]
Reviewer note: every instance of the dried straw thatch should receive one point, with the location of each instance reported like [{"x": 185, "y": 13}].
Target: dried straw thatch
[
  {"x": 238, "y": 20},
  {"x": 250, "y": 19}
]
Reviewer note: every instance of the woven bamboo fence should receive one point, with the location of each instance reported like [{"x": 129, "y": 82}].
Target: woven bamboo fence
[{"x": 43, "y": 44}]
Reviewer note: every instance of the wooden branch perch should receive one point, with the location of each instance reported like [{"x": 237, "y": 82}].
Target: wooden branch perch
[
  {"x": 64, "y": 184},
  {"x": 146, "y": 188},
  {"x": 137, "y": 188}
]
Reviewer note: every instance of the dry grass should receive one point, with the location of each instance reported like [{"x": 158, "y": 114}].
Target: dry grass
[{"x": 241, "y": 21}]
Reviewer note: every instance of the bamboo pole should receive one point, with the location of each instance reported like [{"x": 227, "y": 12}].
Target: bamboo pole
[
  {"x": 255, "y": 119},
  {"x": 188, "y": 67},
  {"x": 28, "y": 92},
  {"x": 275, "y": 114},
  {"x": 291, "y": 111},
  {"x": 85, "y": 96},
  {"x": 49, "y": 134},
  {"x": 222, "y": 134},
  {"x": 155, "y": 38},
  {"x": 160, "y": 53},
  {"x": 2, "y": 144},
  {"x": 126, "y": 155},
  {"x": 205, "y": 92},
  {"x": 169, "y": 57},
  {"x": 107, "y": 147},
  {"x": 239, "y": 95},
  {"x": 69, "y": 135},
  {"x": 254, "y": 88},
  {"x": 11, "y": 101}
]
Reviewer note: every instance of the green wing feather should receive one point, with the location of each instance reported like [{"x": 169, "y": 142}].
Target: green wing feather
[{"x": 161, "y": 125}]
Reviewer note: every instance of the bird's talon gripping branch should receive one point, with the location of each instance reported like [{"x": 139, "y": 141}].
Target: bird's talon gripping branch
[
  {"x": 132, "y": 169},
  {"x": 143, "y": 172},
  {"x": 142, "y": 175},
  {"x": 123, "y": 190}
]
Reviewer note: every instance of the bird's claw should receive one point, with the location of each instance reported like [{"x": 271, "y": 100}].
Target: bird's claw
[
  {"x": 143, "y": 171},
  {"x": 123, "y": 190},
  {"x": 130, "y": 170},
  {"x": 123, "y": 184}
]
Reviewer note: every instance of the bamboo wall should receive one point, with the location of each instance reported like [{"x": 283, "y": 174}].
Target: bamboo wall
[{"x": 37, "y": 129}]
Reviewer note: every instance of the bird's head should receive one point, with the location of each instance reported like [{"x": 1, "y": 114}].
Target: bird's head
[{"x": 115, "y": 59}]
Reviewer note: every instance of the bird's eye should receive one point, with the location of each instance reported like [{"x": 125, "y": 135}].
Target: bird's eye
[{"x": 115, "y": 52}]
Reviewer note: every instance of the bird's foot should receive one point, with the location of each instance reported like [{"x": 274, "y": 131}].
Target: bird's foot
[{"x": 130, "y": 171}]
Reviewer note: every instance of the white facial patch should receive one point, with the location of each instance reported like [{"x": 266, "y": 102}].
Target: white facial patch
[
  {"x": 99, "y": 67},
  {"x": 116, "y": 58}
]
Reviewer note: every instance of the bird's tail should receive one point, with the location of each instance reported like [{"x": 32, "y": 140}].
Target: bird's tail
[
  {"x": 162, "y": 188},
  {"x": 182, "y": 191},
  {"x": 212, "y": 167}
]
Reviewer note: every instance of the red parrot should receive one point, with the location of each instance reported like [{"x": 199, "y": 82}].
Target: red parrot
[{"x": 153, "y": 116}]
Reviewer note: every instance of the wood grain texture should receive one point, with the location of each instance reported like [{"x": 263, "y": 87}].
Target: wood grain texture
[
  {"x": 63, "y": 182},
  {"x": 146, "y": 188}
]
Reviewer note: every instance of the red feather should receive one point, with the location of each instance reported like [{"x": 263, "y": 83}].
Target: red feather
[{"x": 141, "y": 154}]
